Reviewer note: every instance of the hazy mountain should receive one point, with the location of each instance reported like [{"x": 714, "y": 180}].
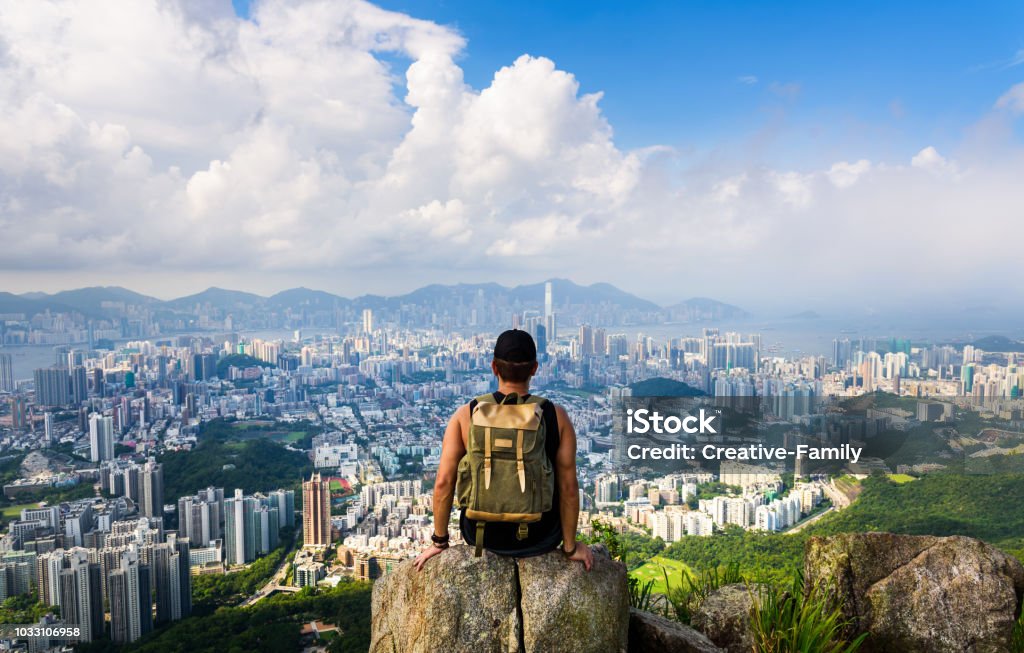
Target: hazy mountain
[
  {"x": 605, "y": 298},
  {"x": 702, "y": 309},
  {"x": 295, "y": 298},
  {"x": 91, "y": 299},
  {"x": 219, "y": 298},
  {"x": 566, "y": 291},
  {"x": 529, "y": 295},
  {"x": 11, "y": 303},
  {"x": 33, "y": 303},
  {"x": 435, "y": 293},
  {"x": 998, "y": 343}
]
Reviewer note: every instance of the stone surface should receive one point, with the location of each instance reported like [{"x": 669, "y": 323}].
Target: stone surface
[
  {"x": 921, "y": 593},
  {"x": 651, "y": 633},
  {"x": 724, "y": 616},
  {"x": 491, "y": 604},
  {"x": 457, "y": 603},
  {"x": 570, "y": 610}
]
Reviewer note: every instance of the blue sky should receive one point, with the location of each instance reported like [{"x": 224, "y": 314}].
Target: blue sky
[
  {"x": 825, "y": 142},
  {"x": 876, "y": 80}
]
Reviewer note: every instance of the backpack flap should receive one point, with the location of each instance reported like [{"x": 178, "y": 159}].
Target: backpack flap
[{"x": 521, "y": 418}]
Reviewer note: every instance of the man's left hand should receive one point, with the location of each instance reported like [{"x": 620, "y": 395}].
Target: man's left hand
[{"x": 583, "y": 554}]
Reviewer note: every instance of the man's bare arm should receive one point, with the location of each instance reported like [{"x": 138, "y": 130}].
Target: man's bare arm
[
  {"x": 565, "y": 475},
  {"x": 452, "y": 451},
  {"x": 569, "y": 490}
]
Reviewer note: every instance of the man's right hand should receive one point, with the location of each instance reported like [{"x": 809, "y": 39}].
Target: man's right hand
[
  {"x": 427, "y": 554},
  {"x": 583, "y": 554}
]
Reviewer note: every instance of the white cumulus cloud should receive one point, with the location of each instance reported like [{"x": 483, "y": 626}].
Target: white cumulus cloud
[{"x": 334, "y": 137}]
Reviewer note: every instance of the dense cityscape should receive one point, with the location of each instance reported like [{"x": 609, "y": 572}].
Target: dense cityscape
[{"x": 119, "y": 453}]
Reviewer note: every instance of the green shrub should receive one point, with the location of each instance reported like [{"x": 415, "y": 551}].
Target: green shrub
[
  {"x": 801, "y": 619},
  {"x": 640, "y": 595},
  {"x": 685, "y": 598}
]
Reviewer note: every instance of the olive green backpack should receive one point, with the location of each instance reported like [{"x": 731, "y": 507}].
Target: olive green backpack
[{"x": 506, "y": 475}]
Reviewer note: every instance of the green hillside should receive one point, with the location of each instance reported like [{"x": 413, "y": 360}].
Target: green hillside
[
  {"x": 661, "y": 387},
  {"x": 981, "y": 506},
  {"x": 254, "y": 465}
]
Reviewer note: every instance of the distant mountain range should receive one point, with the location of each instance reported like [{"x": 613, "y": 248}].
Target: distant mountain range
[
  {"x": 999, "y": 343},
  {"x": 101, "y": 301}
]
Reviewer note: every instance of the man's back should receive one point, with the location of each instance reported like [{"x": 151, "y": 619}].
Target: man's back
[
  {"x": 515, "y": 362},
  {"x": 501, "y": 537}
]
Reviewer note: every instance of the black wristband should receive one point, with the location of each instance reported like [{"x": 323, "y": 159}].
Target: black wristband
[
  {"x": 569, "y": 554},
  {"x": 439, "y": 539}
]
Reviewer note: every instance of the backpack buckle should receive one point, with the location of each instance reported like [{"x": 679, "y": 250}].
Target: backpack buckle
[{"x": 522, "y": 531}]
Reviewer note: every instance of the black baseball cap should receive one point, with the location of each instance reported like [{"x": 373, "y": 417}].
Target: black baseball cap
[{"x": 515, "y": 346}]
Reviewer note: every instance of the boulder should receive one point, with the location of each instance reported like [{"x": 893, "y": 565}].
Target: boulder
[
  {"x": 920, "y": 593},
  {"x": 457, "y": 603},
  {"x": 568, "y": 609},
  {"x": 495, "y": 604},
  {"x": 724, "y": 616},
  {"x": 651, "y": 633}
]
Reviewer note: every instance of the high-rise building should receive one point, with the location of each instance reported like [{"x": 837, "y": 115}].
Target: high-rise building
[
  {"x": 52, "y": 386},
  {"x": 199, "y": 517},
  {"x": 549, "y": 308},
  {"x": 285, "y": 501},
  {"x": 68, "y": 580},
  {"x": 17, "y": 572},
  {"x": 60, "y": 355},
  {"x": 79, "y": 385},
  {"x": 204, "y": 367},
  {"x": 267, "y": 525},
  {"x": 151, "y": 489},
  {"x": 367, "y": 320},
  {"x": 6, "y": 373},
  {"x": 586, "y": 340},
  {"x": 98, "y": 382},
  {"x": 316, "y": 512},
  {"x": 19, "y": 412},
  {"x": 239, "y": 529},
  {"x": 129, "y": 589},
  {"x": 101, "y": 438},
  {"x": 184, "y": 548},
  {"x": 607, "y": 489},
  {"x": 48, "y": 429},
  {"x": 167, "y": 563}
]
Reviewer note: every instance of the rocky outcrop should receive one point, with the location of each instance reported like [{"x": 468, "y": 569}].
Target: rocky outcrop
[
  {"x": 567, "y": 608},
  {"x": 724, "y": 616},
  {"x": 920, "y": 593},
  {"x": 650, "y": 633},
  {"x": 457, "y": 603},
  {"x": 494, "y": 604}
]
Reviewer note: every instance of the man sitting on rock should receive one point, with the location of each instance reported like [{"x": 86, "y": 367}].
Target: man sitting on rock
[{"x": 511, "y": 459}]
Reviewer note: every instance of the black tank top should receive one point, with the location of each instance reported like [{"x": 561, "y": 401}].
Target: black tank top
[{"x": 544, "y": 535}]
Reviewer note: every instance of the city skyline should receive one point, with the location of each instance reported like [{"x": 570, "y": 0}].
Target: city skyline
[{"x": 364, "y": 147}]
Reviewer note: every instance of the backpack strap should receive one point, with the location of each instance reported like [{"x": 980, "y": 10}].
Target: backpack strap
[
  {"x": 485, "y": 399},
  {"x": 487, "y": 457},
  {"x": 479, "y": 539},
  {"x": 520, "y": 468}
]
